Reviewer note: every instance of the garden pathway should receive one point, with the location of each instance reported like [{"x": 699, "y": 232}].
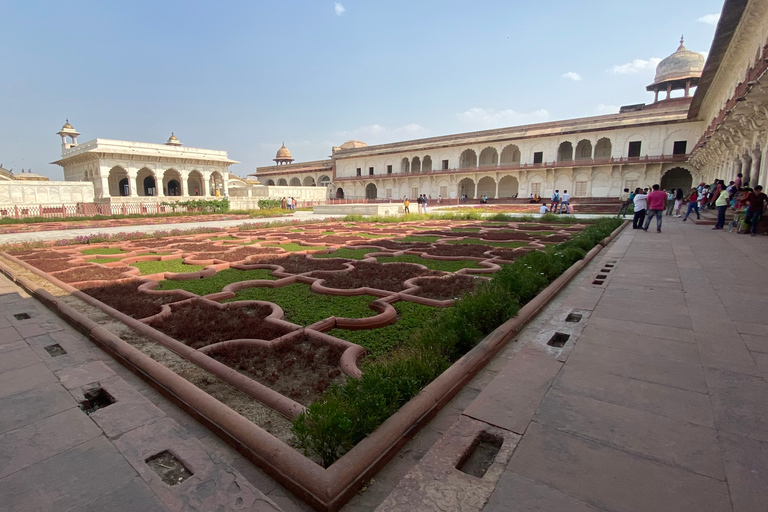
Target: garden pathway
[{"x": 657, "y": 402}]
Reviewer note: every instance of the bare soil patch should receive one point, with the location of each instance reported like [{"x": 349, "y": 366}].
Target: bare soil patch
[
  {"x": 298, "y": 263},
  {"x": 388, "y": 276},
  {"x": 239, "y": 254},
  {"x": 301, "y": 370},
  {"x": 53, "y": 265},
  {"x": 199, "y": 323},
  {"x": 473, "y": 250},
  {"x": 505, "y": 235},
  {"x": 91, "y": 273},
  {"x": 448, "y": 287},
  {"x": 36, "y": 254},
  {"x": 397, "y": 246},
  {"x": 126, "y": 297}
]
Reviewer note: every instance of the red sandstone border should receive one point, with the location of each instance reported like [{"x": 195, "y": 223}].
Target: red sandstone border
[{"x": 324, "y": 489}]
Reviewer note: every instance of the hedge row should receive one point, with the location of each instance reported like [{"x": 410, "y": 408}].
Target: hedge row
[{"x": 347, "y": 413}]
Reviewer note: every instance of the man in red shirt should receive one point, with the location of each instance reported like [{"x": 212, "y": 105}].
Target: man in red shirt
[
  {"x": 756, "y": 200},
  {"x": 657, "y": 203}
]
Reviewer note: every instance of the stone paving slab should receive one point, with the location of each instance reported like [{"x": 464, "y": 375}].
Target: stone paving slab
[
  {"x": 45, "y": 438},
  {"x": 67, "y": 480},
  {"x": 610, "y": 478},
  {"x": 643, "y": 433},
  {"x": 643, "y": 367},
  {"x": 515, "y": 493},
  {"x": 674, "y": 403},
  {"x": 511, "y": 400},
  {"x": 641, "y": 344}
]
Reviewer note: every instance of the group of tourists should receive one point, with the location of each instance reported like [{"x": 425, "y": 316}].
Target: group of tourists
[
  {"x": 289, "y": 203},
  {"x": 748, "y": 204},
  {"x": 560, "y": 203},
  {"x": 422, "y": 201}
]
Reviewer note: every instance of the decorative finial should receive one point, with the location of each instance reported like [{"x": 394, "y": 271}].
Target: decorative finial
[
  {"x": 283, "y": 143},
  {"x": 682, "y": 39},
  {"x": 67, "y": 120},
  {"x": 682, "y": 46}
]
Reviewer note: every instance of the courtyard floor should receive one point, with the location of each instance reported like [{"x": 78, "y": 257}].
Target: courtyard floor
[{"x": 658, "y": 401}]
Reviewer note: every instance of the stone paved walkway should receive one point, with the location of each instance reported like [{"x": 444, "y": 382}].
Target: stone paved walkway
[{"x": 657, "y": 402}]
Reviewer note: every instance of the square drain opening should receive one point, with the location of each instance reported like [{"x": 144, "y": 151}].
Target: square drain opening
[
  {"x": 22, "y": 316},
  {"x": 605, "y": 270},
  {"x": 481, "y": 455},
  {"x": 558, "y": 340},
  {"x": 608, "y": 265},
  {"x": 574, "y": 317},
  {"x": 601, "y": 276},
  {"x": 55, "y": 350},
  {"x": 598, "y": 282},
  {"x": 170, "y": 469},
  {"x": 96, "y": 398}
]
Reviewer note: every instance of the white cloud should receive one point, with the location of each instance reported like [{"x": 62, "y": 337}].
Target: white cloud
[
  {"x": 710, "y": 19},
  {"x": 606, "y": 109},
  {"x": 492, "y": 118},
  {"x": 635, "y": 66},
  {"x": 338, "y": 8},
  {"x": 572, "y": 75}
]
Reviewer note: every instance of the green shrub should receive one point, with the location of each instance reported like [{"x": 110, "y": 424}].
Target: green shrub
[
  {"x": 346, "y": 413},
  {"x": 268, "y": 204}
]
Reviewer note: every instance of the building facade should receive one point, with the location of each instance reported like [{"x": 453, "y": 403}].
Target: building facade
[
  {"x": 591, "y": 157},
  {"x": 732, "y": 99},
  {"x": 140, "y": 171}
]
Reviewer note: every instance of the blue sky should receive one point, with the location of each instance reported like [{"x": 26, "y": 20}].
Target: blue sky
[{"x": 243, "y": 76}]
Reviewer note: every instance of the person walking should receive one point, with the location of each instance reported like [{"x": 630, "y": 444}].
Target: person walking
[
  {"x": 565, "y": 201},
  {"x": 406, "y": 204},
  {"x": 657, "y": 203},
  {"x": 757, "y": 200},
  {"x": 670, "y": 202},
  {"x": 693, "y": 204},
  {"x": 721, "y": 203},
  {"x": 679, "y": 198},
  {"x": 640, "y": 202},
  {"x": 419, "y": 203},
  {"x": 555, "y": 201},
  {"x": 424, "y": 202},
  {"x": 625, "y": 202}
]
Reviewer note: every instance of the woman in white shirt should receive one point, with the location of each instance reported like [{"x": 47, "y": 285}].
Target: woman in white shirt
[{"x": 641, "y": 204}]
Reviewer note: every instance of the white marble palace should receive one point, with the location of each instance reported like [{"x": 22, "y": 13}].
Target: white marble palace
[{"x": 704, "y": 122}]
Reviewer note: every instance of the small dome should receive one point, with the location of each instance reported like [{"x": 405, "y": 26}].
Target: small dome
[
  {"x": 680, "y": 65},
  {"x": 352, "y": 144},
  {"x": 173, "y": 141},
  {"x": 283, "y": 153},
  {"x": 67, "y": 126}
]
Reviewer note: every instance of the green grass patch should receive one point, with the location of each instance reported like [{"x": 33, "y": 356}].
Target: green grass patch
[
  {"x": 466, "y": 230},
  {"x": 217, "y": 238},
  {"x": 293, "y": 247},
  {"x": 155, "y": 267},
  {"x": 383, "y": 340},
  {"x": 104, "y": 260},
  {"x": 428, "y": 239},
  {"x": 444, "y": 265},
  {"x": 328, "y": 233},
  {"x": 304, "y": 307},
  {"x": 343, "y": 252},
  {"x": 103, "y": 250},
  {"x": 371, "y": 235},
  {"x": 216, "y": 282},
  {"x": 298, "y": 230},
  {"x": 492, "y": 243}
]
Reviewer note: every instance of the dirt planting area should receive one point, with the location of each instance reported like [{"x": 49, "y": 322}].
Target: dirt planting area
[
  {"x": 126, "y": 297},
  {"x": 301, "y": 369},
  {"x": 199, "y": 323},
  {"x": 387, "y": 276}
]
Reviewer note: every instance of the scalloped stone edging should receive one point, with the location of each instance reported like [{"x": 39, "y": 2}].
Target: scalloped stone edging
[{"x": 330, "y": 488}]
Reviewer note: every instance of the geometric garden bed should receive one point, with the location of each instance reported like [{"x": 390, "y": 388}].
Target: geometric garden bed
[{"x": 282, "y": 316}]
